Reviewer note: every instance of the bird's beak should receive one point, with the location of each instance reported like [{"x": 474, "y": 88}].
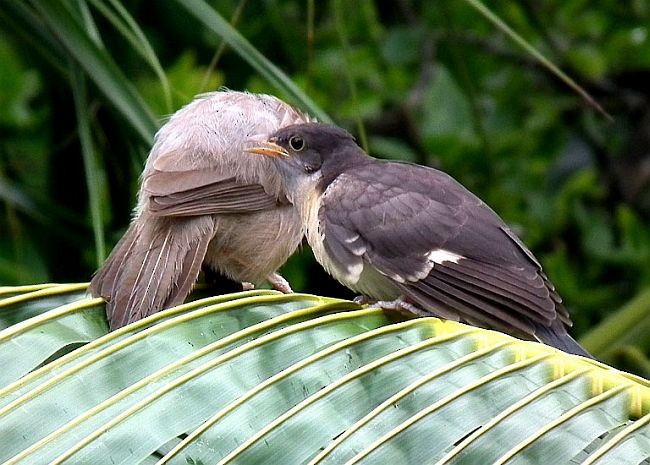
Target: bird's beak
[{"x": 269, "y": 148}]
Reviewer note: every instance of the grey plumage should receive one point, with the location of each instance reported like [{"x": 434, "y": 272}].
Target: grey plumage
[
  {"x": 390, "y": 230},
  {"x": 203, "y": 200}
]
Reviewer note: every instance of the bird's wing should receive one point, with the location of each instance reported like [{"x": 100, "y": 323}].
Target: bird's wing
[
  {"x": 203, "y": 192},
  {"x": 439, "y": 244}
]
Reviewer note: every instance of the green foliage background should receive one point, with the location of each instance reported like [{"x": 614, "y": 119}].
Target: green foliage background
[{"x": 430, "y": 82}]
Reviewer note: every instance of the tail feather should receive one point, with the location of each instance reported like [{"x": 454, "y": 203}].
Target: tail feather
[
  {"x": 557, "y": 336},
  {"x": 105, "y": 280},
  {"x": 153, "y": 267}
]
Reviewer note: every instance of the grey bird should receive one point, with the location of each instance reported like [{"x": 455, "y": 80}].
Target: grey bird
[
  {"x": 205, "y": 201},
  {"x": 412, "y": 236}
]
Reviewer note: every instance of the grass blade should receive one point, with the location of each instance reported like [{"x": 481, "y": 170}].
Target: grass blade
[
  {"x": 502, "y": 26},
  {"x": 99, "y": 66},
  {"x": 95, "y": 178},
  {"x": 209, "y": 17}
]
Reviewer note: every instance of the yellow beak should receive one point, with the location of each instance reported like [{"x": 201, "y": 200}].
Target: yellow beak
[{"x": 270, "y": 149}]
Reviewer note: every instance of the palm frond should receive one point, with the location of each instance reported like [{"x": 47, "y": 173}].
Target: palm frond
[{"x": 262, "y": 377}]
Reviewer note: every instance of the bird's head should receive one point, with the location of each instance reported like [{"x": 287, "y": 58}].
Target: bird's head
[{"x": 310, "y": 154}]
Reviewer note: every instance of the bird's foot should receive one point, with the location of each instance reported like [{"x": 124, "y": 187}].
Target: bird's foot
[
  {"x": 401, "y": 304},
  {"x": 363, "y": 300},
  {"x": 279, "y": 283},
  {"x": 246, "y": 286}
]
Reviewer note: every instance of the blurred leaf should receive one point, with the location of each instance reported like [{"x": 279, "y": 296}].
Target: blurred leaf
[
  {"x": 345, "y": 52},
  {"x": 185, "y": 77},
  {"x": 402, "y": 45},
  {"x": 445, "y": 121},
  {"x": 392, "y": 148},
  {"x": 572, "y": 287},
  {"x": 93, "y": 167},
  {"x": 128, "y": 27},
  {"x": 211, "y": 19},
  {"x": 530, "y": 49},
  {"x": 99, "y": 66},
  {"x": 589, "y": 61},
  {"x": 630, "y": 325},
  {"x": 20, "y": 261},
  {"x": 635, "y": 239},
  {"x": 629, "y": 47},
  {"x": 18, "y": 86},
  {"x": 18, "y": 199},
  {"x": 631, "y": 358}
]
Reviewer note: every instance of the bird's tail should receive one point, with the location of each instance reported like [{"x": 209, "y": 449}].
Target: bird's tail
[
  {"x": 557, "y": 336},
  {"x": 153, "y": 267}
]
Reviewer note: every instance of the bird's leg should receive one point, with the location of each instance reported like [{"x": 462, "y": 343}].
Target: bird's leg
[
  {"x": 279, "y": 283},
  {"x": 401, "y": 304}
]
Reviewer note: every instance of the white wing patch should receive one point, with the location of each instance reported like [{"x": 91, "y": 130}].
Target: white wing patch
[
  {"x": 441, "y": 256},
  {"x": 351, "y": 239},
  {"x": 353, "y": 272}
]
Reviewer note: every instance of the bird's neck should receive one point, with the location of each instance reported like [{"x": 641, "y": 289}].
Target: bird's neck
[
  {"x": 305, "y": 195},
  {"x": 347, "y": 160},
  {"x": 308, "y": 202}
]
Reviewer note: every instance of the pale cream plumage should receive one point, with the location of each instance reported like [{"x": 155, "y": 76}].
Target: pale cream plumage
[{"x": 203, "y": 200}]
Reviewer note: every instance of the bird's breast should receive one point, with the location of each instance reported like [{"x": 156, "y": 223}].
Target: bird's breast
[
  {"x": 309, "y": 215},
  {"x": 309, "y": 201},
  {"x": 357, "y": 276},
  {"x": 252, "y": 246}
]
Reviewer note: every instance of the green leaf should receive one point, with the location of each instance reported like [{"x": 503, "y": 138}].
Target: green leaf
[
  {"x": 93, "y": 167},
  {"x": 262, "y": 377},
  {"x": 44, "y": 375},
  {"x": 445, "y": 122},
  {"x": 326, "y": 385},
  {"x": 131, "y": 31},
  {"x": 628, "y": 325},
  {"x": 530, "y": 49},
  {"x": 211, "y": 19},
  {"x": 185, "y": 77},
  {"x": 98, "y": 65},
  {"x": 51, "y": 333},
  {"x": 27, "y": 303}
]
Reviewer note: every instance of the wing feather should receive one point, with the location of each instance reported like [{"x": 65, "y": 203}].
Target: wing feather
[
  {"x": 474, "y": 308},
  {"x": 534, "y": 309},
  {"x": 393, "y": 216},
  {"x": 218, "y": 198}
]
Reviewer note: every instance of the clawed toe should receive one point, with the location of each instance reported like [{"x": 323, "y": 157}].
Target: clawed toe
[
  {"x": 279, "y": 283},
  {"x": 401, "y": 305}
]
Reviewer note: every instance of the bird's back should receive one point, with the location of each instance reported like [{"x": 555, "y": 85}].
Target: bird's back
[{"x": 397, "y": 228}]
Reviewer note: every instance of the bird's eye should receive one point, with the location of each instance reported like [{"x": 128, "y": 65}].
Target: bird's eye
[{"x": 296, "y": 143}]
